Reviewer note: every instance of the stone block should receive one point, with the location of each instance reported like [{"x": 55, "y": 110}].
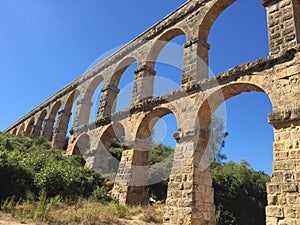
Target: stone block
[{"x": 274, "y": 211}]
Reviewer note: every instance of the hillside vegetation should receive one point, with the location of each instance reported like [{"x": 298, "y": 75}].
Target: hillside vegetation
[{"x": 39, "y": 183}]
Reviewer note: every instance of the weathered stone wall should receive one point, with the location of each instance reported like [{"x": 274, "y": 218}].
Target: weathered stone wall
[{"x": 283, "y": 24}]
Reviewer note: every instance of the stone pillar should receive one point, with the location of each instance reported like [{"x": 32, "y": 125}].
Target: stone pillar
[
  {"x": 283, "y": 190},
  {"x": 108, "y": 101},
  {"x": 190, "y": 199},
  {"x": 47, "y": 130},
  {"x": 131, "y": 183},
  {"x": 61, "y": 129},
  {"x": 83, "y": 111},
  {"x": 283, "y": 24},
  {"x": 143, "y": 84},
  {"x": 195, "y": 61}
]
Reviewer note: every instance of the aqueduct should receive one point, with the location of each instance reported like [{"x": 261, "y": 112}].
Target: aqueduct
[{"x": 190, "y": 198}]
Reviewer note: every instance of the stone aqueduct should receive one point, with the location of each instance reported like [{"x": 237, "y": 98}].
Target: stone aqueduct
[{"x": 190, "y": 198}]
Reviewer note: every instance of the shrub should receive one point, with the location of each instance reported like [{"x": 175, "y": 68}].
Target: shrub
[{"x": 30, "y": 165}]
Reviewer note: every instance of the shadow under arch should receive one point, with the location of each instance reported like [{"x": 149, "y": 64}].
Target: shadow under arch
[
  {"x": 14, "y": 132},
  {"x": 39, "y": 123},
  {"x": 54, "y": 111},
  {"x": 29, "y": 127},
  {"x": 50, "y": 120},
  {"x": 21, "y": 130}
]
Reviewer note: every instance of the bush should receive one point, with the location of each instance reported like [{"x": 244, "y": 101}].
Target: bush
[
  {"x": 30, "y": 165},
  {"x": 100, "y": 194}
]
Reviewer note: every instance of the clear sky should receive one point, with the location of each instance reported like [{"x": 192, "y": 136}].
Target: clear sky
[{"x": 46, "y": 44}]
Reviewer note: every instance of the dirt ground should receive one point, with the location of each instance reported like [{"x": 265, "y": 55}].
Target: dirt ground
[{"x": 7, "y": 219}]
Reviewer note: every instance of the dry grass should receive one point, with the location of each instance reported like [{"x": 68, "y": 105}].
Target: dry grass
[
  {"x": 149, "y": 214},
  {"x": 87, "y": 212}
]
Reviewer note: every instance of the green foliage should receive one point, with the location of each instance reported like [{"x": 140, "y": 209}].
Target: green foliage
[
  {"x": 44, "y": 206},
  {"x": 8, "y": 204},
  {"x": 116, "y": 149},
  {"x": 100, "y": 194},
  {"x": 216, "y": 139},
  {"x": 30, "y": 165},
  {"x": 161, "y": 161},
  {"x": 122, "y": 209},
  {"x": 240, "y": 193}
]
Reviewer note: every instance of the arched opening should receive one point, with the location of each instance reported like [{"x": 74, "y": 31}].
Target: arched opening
[
  {"x": 109, "y": 151},
  {"x": 88, "y": 105},
  {"x": 94, "y": 96},
  {"x": 238, "y": 35},
  {"x": 122, "y": 85},
  {"x": 40, "y": 123},
  {"x": 81, "y": 147},
  {"x": 21, "y": 130},
  {"x": 166, "y": 58},
  {"x": 156, "y": 141},
  {"x": 14, "y": 132},
  {"x": 29, "y": 128},
  {"x": 51, "y": 120},
  {"x": 237, "y": 182},
  {"x": 70, "y": 109},
  {"x": 64, "y": 123}
]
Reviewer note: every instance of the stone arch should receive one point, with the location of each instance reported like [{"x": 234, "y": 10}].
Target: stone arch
[
  {"x": 48, "y": 128},
  {"x": 61, "y": 128},
  {"x": 14, "y": 132},
  {"x": 92, "y": 87},
  {"x": 210, "y": 17},
  {"x": 111, "y": 88},
  {"x": 120, "y": 69},
  {"x": 85, "y": 104},
  {"x": 105, "y": 162},
  {"x": 135, "y": 159},
  {"x": 21, "y": 130},
  {"x": 220, "y": 95},
  {"x": 201, "y": 160},
  {"x": 39, "y": 123},
  {"x": 29, "y": 127},
  {"x": 54, "y": 109},
  {"x": 114, "y": 130},
  {"x": 70, "y": 100},
  {"x": 82, "y": 145},
  {"x": 161, "y": 42},
  {"x": 147, "y": 124}
]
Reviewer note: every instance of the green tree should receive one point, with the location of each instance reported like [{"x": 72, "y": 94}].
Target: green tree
[
  {"x": 240, "y": 193},
  {"x": 217, "y": 137}
]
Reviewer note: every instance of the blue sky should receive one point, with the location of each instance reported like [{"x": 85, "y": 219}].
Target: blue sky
[{"x": 44, "y": 45}]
